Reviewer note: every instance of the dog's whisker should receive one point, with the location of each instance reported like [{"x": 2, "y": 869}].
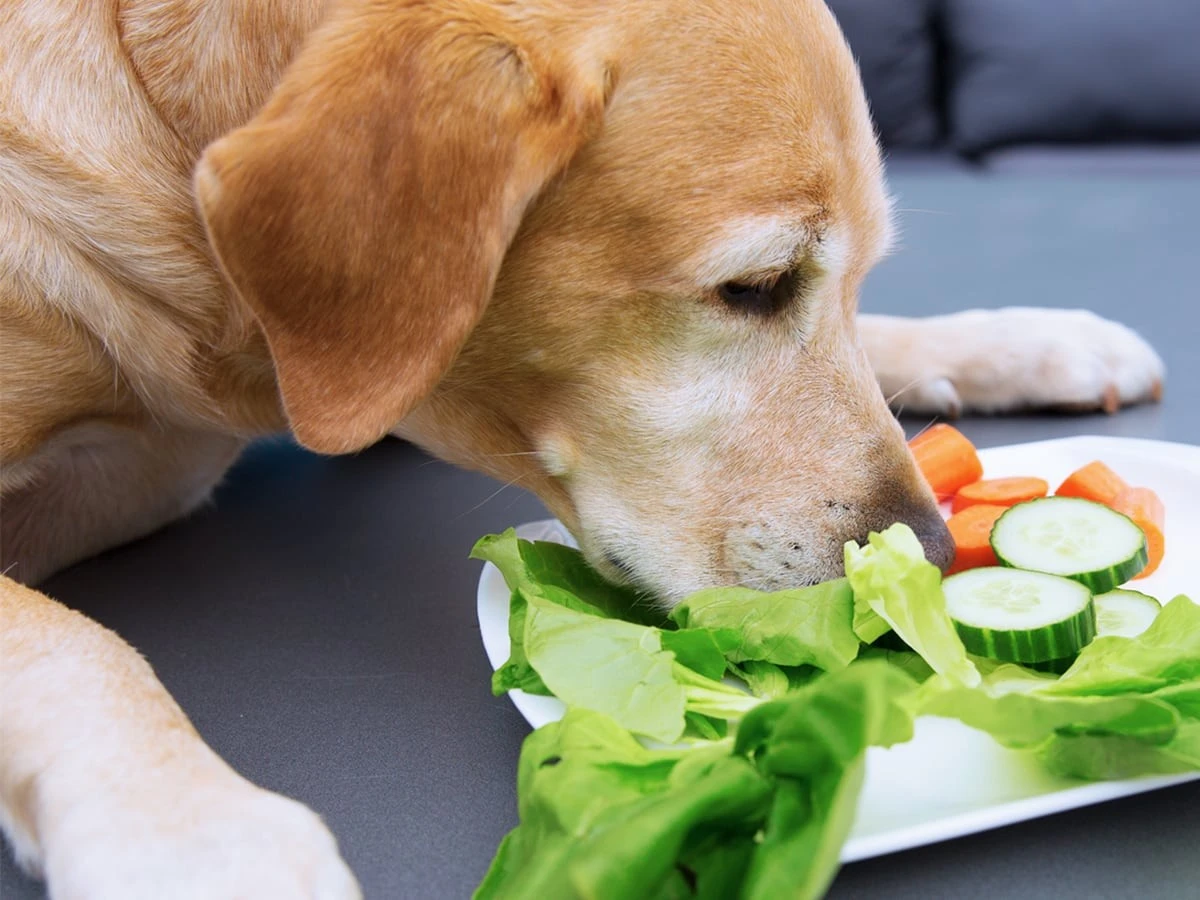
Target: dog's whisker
[
  {"x": 908, "y": 387},
  {"x": 924, "y": 429},
  {"x": 513, "y": 483}
]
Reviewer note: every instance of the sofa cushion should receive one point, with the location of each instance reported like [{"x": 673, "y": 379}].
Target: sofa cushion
[
  {"x": 1123, "y": 160},
  {"x": 893, "y": 41},
  {"x": 1072, "y": 70}
]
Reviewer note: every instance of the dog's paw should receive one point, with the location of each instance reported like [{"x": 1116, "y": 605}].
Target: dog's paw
[
  {"x": 1018, "y": 358},
  {"x": 236, "y": 841}
]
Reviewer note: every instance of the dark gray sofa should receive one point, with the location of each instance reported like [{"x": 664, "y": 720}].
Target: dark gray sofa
[{"x": 1032, "y": 86}]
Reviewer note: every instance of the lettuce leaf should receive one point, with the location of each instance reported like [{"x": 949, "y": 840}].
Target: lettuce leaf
[
  {"x": 1115, "y": 756},
  {"x": 560, "y": 574},
  {"x": 556, "y": 574},
  {"x": 1128, "y": 706},
  {"x": 603, "y": 817},
  {"x": 892, "y": 577},
  {"x": 625, "y": 671},
  {"x": 804, "y": 626},
  {"x": 1166, "y": 653},
  {"x": 1014, "y": 708},
  {"x": 517, "y": 674},
  {"x": 813, "y": 743},
  {"x": 607, "y": 665},
  {"x": 764, "y": 679},
  {"x": 701, "y": 649}
]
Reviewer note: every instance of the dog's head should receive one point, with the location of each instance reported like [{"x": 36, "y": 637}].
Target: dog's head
[{"x": 608, "y": 251}]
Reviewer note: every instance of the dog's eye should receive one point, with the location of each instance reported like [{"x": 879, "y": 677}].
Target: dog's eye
[{"x": 756, "y": 299}]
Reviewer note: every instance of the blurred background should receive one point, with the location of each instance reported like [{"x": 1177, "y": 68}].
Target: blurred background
[
  {"x": 1032, "y": 85},
  {"x": 1043, "y": 153}
]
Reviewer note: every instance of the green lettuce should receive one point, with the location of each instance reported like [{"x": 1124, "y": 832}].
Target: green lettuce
[
  {"x": 701, "y": 649},
  {"x": 1128, "y": 706},
  {"x": 813, "y": 743},
  {"x": 1115, "y": 756},
  {"x": 891, "y": 576},
  {"x": 1013, "y": 707},
  {"x": 1167, "y": 653},
  {"x": 517, "y": 674},
  {"x": 804, "y": 626},
  {"x": 603, "y": 817},
  {"x": 556, "y": 574},
  {"x": 560, "y": 574},
  {"x": 623, "y": 670},
  {"x": 770, "y": 681}
]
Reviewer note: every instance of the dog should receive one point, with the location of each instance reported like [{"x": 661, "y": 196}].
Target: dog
[{"x": 607, "y": 250}]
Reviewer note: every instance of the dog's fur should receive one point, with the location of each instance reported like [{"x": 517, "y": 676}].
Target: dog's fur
[{"x": 498, "y": 227}]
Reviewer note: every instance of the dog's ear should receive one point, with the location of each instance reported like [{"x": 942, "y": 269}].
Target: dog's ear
[{"x": 364, "y": 213}]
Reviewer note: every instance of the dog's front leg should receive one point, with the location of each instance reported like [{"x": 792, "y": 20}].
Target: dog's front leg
[
  {"x": 1009, "y": 359},
  {"x": 108, "y": 791}
]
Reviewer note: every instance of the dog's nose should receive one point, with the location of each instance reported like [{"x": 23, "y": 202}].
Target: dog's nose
[
  {"x": 927, "y": 524},
  {"x": 935, "y": 537}
]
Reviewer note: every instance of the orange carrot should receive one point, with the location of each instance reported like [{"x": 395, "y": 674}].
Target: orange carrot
[
  {"x": 946, "y": 458},
  {"x": 1146, "y": 509},
  {"x": 999, "y": 492},
  {"x": 1095, "y": 481},
  {"x": 972, "y": 533}
]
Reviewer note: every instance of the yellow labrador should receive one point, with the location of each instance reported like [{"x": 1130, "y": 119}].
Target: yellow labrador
[{"x": 609, "y": 250}]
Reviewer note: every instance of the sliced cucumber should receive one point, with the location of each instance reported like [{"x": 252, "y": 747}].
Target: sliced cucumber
[
  {"x": 1125, "y": 613},
  {"x": 1053, "y": 666},
  {"x": 1019, "y": 616},
  {"x": 1075, "y": 538}
]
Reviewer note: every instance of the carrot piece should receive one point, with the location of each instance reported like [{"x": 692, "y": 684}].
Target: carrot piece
[
  {"x": 1146, "y": 509},
  {"x": 999, "y": 492},
  {"x": 946, "y": 458},
  {"x": 1095, "y": 481},
  {"x": 972, "y": 533}
]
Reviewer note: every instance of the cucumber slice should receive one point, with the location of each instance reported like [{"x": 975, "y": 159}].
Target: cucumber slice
[
  {"x": 1053, "y": 666},
  {"x": 1018, "y": 616},
  {"x": 1078, "y": 539},
  {"x": 1124, "y": 613}
]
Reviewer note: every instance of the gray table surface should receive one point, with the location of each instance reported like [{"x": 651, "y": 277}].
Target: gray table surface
[{"x": 318, "y": 621}]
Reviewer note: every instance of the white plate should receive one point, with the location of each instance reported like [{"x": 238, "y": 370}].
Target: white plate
[{"x": 950, "y": 780}]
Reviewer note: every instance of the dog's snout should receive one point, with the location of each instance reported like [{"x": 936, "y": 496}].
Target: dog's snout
[
  {"x": 923, "y": 517},
  {"x": 783, "y": 553},
  {"x": 935, "y": 537},
  {"x": 929, "y": 528}
]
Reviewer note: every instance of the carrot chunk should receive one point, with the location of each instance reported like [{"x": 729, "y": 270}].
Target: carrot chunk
[
  {"x": 972, "y": 533},
  {"x": 999, "y": 492},
  {"x": 946, "y": 458},
  {"x": 1146, "y": 509},
  {"x": 1095, "y": 481}
]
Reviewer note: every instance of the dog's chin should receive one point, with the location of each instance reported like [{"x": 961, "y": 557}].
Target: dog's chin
[{"x": 618, "y": 570}]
